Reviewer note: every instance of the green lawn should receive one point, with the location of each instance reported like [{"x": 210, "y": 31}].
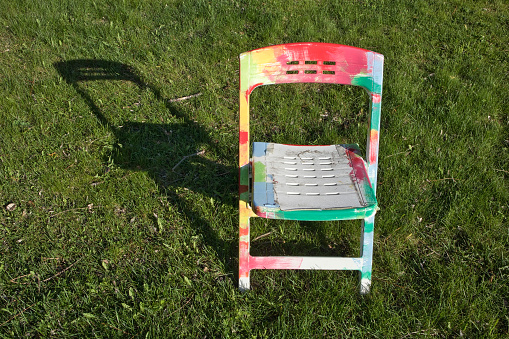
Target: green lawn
[{"x": 112, "y": 226}]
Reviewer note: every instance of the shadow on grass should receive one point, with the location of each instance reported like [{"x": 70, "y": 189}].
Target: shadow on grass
[{"x": 159, "y": 148}]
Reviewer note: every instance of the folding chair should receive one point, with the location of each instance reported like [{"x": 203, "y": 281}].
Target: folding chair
[{"x": 313, "y": 183}]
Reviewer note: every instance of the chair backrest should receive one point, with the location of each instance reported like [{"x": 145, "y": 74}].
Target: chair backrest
[{"x": 319, "y": 63}]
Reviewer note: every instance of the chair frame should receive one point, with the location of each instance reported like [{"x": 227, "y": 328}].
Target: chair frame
[{"x": 309, "y": 63}]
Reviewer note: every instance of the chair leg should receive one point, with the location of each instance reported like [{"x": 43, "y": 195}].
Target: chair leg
[
  {"x": 244, "y": 231},
  {"x": 366, "y": 253},
  {"x": 244, "y": 284}
]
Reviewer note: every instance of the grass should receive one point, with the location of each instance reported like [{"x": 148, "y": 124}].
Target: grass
[{"x": 105, "y": 232}]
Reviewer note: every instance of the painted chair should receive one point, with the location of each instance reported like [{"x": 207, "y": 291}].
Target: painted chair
[{"x": 313, "y": 183}]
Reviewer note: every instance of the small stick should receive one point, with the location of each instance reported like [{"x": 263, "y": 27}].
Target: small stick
[
  {"x": 500, "y": 170},
  {"x": 65, "y": 269},
  {"x": 181, "y": 307},
  {"x": 432, "y": 251},
  {"x": 261, "y": 236},
  {"x": 390, "y": 235},
  {"x": 54, "y": 276},
  {"x": 185, "y": 98},
  {"x": 21, "y": 276},
  {"x": 73, "y": 209},
  {"x": 442, "y": 179},
  {"x": 388, "y": 156},
  {"x": 187, "y": 156},
  {"x": 128, "y": 174},
  {"x": 29, "y": 307}
]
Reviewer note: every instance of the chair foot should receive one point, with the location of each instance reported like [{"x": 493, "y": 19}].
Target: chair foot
[
  {"x": 365, "y": 286},
  {"x": 244, "y": 284}
]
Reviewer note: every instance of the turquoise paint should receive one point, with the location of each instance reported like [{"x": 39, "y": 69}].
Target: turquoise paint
[
  {"x": 375, "y": 115},
  {"x": 319, "y": 215},
  {"x": 366, "y": 275},
  {"x": 367, "y": 82}
]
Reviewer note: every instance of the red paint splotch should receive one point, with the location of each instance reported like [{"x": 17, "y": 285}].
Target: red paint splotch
[
  {"x": 275, "y": 263},
  {"x": 243, "y": 259},
  {"x": 243, "y": 231},
  {"x": 243, "y": 189},
  {"x": 251, "y": 88},
  {"x": 243, "y": 137},
  {"x": 358, "y": 165},
  {"x": 373, "y": 146}
]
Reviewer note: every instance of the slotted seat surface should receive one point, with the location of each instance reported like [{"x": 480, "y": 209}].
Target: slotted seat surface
[{"x": 310, "y": 182}]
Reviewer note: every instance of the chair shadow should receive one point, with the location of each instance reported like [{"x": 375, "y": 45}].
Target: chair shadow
[{"x": 159, "y": 148}]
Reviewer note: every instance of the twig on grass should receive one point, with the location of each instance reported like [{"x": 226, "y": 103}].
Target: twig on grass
[
  {"x": 181, "y": 307},
  {"x": 185, "y": 98},
  {"x": 89, "y": 207},
  {"x": 128, "y": 174},
  {"x": 220, "y": 175},
  {"x": 432, "y": 251},
  {"x": 21, "y": 276},
  {"x": 390, "y": 235},
  {"x": 187, "y": 156},
  {"x": 407, "y": 152},
  {"x": 47, "y": 279},
  {"x": 442, "y": 179},
  {"x": 72, "y": 209},
  {"x": 261, "y": 236},
  {"x": 65, "y": 269},
  {"x": 501, "y": 170},
  {"x": 16, "y": 315},
  {"x": 391, "y": 155},
  {"x": 71, "y": 165}
]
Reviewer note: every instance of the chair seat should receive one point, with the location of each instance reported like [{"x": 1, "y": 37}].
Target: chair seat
[{"x": 311, "y": 182}]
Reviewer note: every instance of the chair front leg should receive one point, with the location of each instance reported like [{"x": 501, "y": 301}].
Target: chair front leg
[
  {"x": 366, "y": 253},
  {"x": 244, "y": 244}
]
